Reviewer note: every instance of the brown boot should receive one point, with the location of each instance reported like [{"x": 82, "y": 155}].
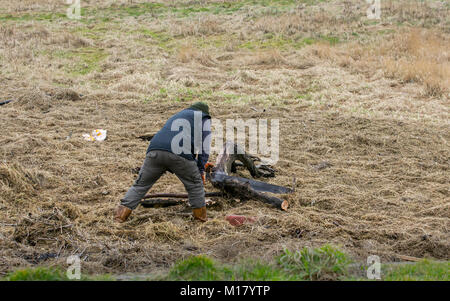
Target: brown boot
[
  {"x": 200, "y": 214},
  {"x": 122, "y": 213}
]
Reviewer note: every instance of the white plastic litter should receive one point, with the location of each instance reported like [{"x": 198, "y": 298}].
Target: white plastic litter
[{"x": 96, "y": 135}]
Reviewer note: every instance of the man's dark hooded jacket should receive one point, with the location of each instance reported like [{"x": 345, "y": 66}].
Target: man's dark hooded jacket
[{"x": 163, "y": 139}]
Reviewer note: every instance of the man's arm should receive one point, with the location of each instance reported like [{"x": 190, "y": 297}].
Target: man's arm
[{"x": 206, "y": 142}]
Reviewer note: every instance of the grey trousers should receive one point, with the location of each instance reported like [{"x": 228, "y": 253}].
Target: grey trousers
[{"x": 156, "y": 163}]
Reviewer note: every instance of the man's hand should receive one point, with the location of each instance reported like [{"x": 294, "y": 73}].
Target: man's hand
[
  {"x": 208, "y": 166},
  {"x": 203, "y": 178}
]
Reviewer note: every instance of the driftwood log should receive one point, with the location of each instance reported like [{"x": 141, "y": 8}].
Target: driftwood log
[
  {"x": 159, "y": 200},
  {"x": 4, "y": 102},
  {"x": 227, "y": 162},
  {"x": 241, "y": 187},
  {"x": 160, "y": 203},
  {"x": 179, "y": 195}
]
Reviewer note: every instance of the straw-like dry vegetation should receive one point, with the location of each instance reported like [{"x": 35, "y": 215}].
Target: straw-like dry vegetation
[{"x": 364, "y": 126}]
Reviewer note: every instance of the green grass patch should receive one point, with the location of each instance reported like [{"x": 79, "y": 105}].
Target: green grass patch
[
  {"x": 214, "y": 41},
  {"x": 49, "y": 274},
  {"x": 122, "y": 11},
  {"x": 162, "y": 39},
  {"x": 202, "y": 268},
  {"x": 228, "y": 8},
  {"x": 325, "y": 263},
  {"x": 182, "y": 10},
  {"x": 33, "y": 17},
  {"x": 330, "y": 39},
  {"x": 307, "y": 264},
  {"x": 85, "y": 60},
  {"x": 187, "y": 11},
  {"x": 425, "y": 270},
  {"x": 198, "y": 268},
  {"x": 282, "y": 42},
  {"x": 144, "y": 8},
  {"x": 97, "y": 31},
  {"x": 159, "y": 10},
  {"x": 306, "y": 96},
  {"x": 259, "y": 271},
  {"x": 36, "y": 274}
]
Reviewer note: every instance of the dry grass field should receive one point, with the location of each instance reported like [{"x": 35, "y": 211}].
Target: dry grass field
[{"x": 371, "y": 98}]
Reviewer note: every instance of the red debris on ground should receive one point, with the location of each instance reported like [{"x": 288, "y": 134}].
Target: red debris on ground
[{"x": 239, "y": 220}]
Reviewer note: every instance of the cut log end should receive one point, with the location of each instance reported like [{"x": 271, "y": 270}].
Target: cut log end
[{"x": 284, "y": 205}]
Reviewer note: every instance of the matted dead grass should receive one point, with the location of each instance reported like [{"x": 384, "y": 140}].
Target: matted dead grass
[{"x": 364, "y": 129}]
